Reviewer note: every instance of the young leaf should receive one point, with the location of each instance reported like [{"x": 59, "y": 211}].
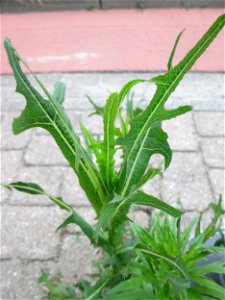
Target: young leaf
[
  {"x": 59, "y": 92},
  {"x": 170, "y": 62},
  {"x": 156, "y": 112},
  {"x": 106, "y": 160},
  {"x": 50, "y": 115},
  {"x": 98, "y": 109}
]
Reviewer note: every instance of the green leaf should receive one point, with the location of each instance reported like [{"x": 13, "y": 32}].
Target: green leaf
[
  {"x": 174, "y": 50},
  {"x": 210, "y": 288},
  {"x": 128, "y": 86},
  {"x": 98, "y": 109},
  {"x": 29, "y": 188},
  {"x": 106, "y": 160},
  {"x": 35, "y": 189},
  {"x": 59, "y": 92},
  {"x": 115, "y": 211},
  {"x": 169, "y": 260},
  {"x": 141, "y": 234},
  {"x": 215, "y": 267},
  {"x": 49, "y": 114},
  {"x": 154, "y": 142},
  {"x": 156, "y": 112}
]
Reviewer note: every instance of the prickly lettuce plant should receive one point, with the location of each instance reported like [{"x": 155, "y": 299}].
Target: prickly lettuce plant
[{"x": 152, "y": 263}]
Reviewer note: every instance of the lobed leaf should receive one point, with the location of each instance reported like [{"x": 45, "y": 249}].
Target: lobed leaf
[
  {"x": 137, "y": 156},
  {"x": 49, "y": 115}
]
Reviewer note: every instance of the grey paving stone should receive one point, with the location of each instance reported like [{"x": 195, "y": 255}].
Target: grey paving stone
[
  {"x": 213, "y": 151},
  {"x": 181, "y": 133},
  {"x": 48, "y": 178},
  {"x": 186, "y": 180},
  {"x": 19, "y": 280},
  {"x": 77, "y": 256},
  {"x": 121, "y": 78},
  {"x": 140, "y": 217},
  {"x": 77, "y": 80},
  {"x": 42, "y": 150},
  {"x": 9, "y": 140},
  {"x": 29, "y": 232},
  {"x": 204, "y": 91},
  {"x": 210, "y": 123},
  {"x": 98, "y": 94},
  {"x": 70, "y": 190},
  {"x": 217, "y": 178},
  {"x": 10, "y": 166},
  {"x": 153, "y": 187},
  {"x": 7, "y": 81},
  {"x": 11, "y": 101}
]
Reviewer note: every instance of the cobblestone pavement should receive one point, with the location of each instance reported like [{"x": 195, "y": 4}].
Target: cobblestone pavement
[{"x": 29, "y": 243}]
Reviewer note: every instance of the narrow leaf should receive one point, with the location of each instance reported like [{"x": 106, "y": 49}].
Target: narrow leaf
[
  {"x": 170, "y": 62},
  {"x": 35, "y": 189},
  {"x": 106, "y": 157},
  {"x": 59, "y": 92},
  {"x": 29, "y": 188},
  {"x": 98, "y": 109}
]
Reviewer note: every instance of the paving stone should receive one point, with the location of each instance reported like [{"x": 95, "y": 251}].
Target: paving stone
[
  {"x": 48, "y": 178},
  {"x": 9, "y": 140},
  {"x": 42, "y": 150},
  {"x": 70, "y": 190},
  {"x": 140, "y": 217},
  {"x": 210, "y": 123},
  {"x": 217, "y": 178},
  {"x": 186, "y": 180},
  {"x": 98, "y": 94},
  {"x": 29, "y": 232},
  {"x": 122, "y": 78},
  {"x": 153, "y": 187},
  {"x": 77, "y": 80},
  {"x": 213, "y": 151},
  {"x": 204, "y": 91},
  {"x": 19, "y": 280},
  {"x": 77, "y": 256},
  {"x": 181, "y": 133},
  {"x": 10, "y": 166},
  {"x": 11, "y": 101}
]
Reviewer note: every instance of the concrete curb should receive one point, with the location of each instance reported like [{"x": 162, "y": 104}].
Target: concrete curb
[{"x": 20, "y": 6}]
